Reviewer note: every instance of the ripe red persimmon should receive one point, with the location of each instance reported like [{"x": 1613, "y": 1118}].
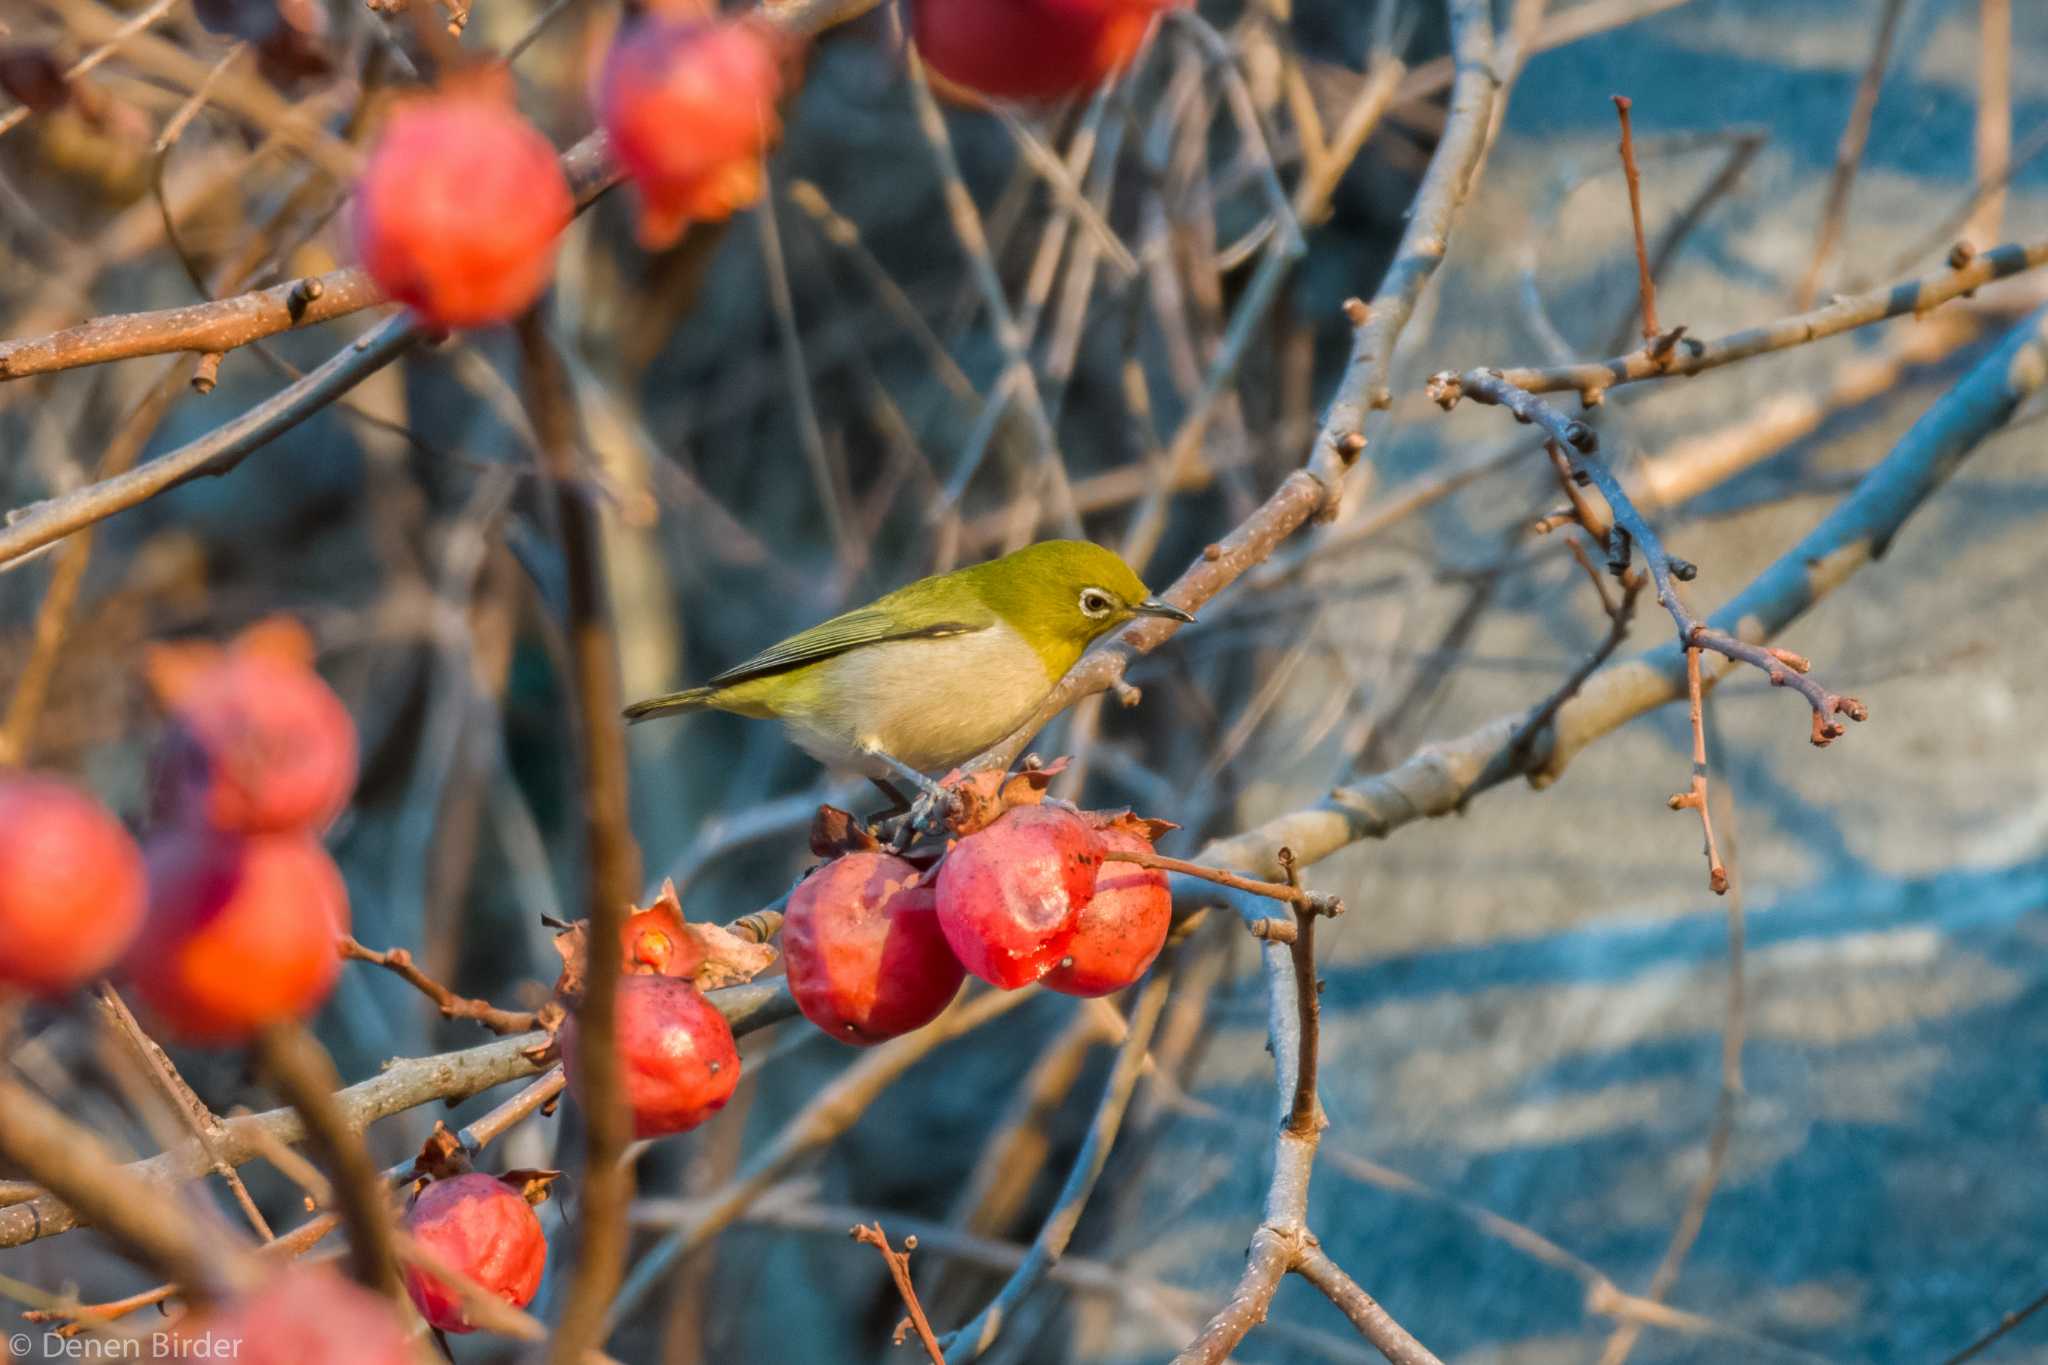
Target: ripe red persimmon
[
  {"x": 678, "y": 1063},
  {"x": 1123, "y": 926},
  {"x": 71, "y": 886},
  {"x": 240, "y": 933},
  {"x": 689, "y": 106},
  {"x": 863, "y": 948},
  {"x": 306, "y": 1315},
  {"x": 257, "y": 744},
  {"x": 1031, "y": 49},
  {"x": 459, "y": 206},
  {"x": 483, "y": 1227},
  {"x": 1010, "y": 895}
]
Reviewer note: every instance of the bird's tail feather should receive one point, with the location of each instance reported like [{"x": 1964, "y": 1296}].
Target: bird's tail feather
[{"x": 672, "y": 703}]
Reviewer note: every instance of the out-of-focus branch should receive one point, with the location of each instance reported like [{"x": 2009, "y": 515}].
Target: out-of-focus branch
[
  {"x": 68, "y": 1159},
  {"x": 218, "y": 451},
  {"x": 1849, "y": 154},
  {"x": 1591, "y": 379},
  {"x": 304, "y": 1074},
  {"x": 1442, "y": 776},
  {"x": 402, "y": 1085},
  {"x": 611, "y": 859},
  {"x": 203, "y": 327}
]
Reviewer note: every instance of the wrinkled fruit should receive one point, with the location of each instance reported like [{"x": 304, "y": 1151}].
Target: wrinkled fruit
[
  {"x": 484, "y": 1227},
  {"x": 240, "y": 933},
  {"x": 1031, "y": 49},
  {"x": 689, "y": 106},
  {"x": 1123, "y": 926},
  {"x": 1010, "y": 896},
  {"x": 677, "y": 1060},
  {"x": 307, "y": 1315},
  {"x": 459, "y": 207},
  {"x": 257, "y": 744},
  {"x": 865, "y": 954},
  {"x": 71, "y": 886}
]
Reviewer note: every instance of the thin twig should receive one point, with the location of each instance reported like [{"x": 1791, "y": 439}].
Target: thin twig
[
  {"x": 1303, "y": 901},
  {"x": 399, "y": 963},
  {"x": 1646, "y": 284},
  {"x": 1592, "y": 379},
  {"x": 1440, "y": 777},
  {"x": 1632, "y": 533},
  {"x": 899, "y": 1271},
  {"x": 1695, "y": 796}
]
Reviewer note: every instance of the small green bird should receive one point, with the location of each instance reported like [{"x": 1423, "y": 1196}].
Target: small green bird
[{"x": 923, "y": 679}]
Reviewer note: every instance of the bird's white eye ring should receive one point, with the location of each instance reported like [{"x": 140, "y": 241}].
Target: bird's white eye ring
[{"x": 1094, "y": 602}]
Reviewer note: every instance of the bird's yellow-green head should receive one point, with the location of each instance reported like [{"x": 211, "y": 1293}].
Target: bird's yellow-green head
[{"x": 1063, "y": 595}]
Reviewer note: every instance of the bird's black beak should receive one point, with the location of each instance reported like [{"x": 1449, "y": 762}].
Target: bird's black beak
[{"x": 1152, "y": 606}]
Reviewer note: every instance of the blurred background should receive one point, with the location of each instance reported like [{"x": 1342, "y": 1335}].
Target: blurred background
[{"x": 1539, "y": 1084}]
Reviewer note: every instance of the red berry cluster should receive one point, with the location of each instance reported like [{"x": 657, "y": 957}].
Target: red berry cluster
[
  {"x": 258, "y": 758},
  {"x": 462, "y": 201},
  {"x": 226, "y": 920},
  {"x": 876, "y": 946}
]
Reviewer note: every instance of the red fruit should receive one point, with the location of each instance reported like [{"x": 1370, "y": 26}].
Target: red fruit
[
  {"x": 307, "y": 1315},
  {"x": 1123, "y": 926},
  {"x": 257, "y": 744},
  {"x": 1031, "y": 49},
  {"x": 689, "y": 107},
  {"x": 1010, "y": 896},
  {"x": 865, "y": 954},
  {"x": 71, "y": 886},
  {"x": 676, "y": 1054},
  {"x": 459, "y": 206},
  {"x": 240, "y": 933},
  {"x": 484, "y": 1227}
]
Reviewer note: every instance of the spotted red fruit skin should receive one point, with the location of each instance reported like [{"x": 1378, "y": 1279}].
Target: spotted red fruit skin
[
  {"x": 240, "y": 933},
  {"x": 866, "y": 958},
  {"x": 689, "y": 106},
  {"x": 459, "y": 207},
  {"x": 483, "y": 1227},
  {"x": 257, "y": 744},
  {"x": 71, "y": 886},
  {"x": 1031, "y": 50},
  {"x": 1123, "y": 926},
  {"x": 306, "y": 1315},
  {"x": 1010, "y": 896},
  {"x": 677, "y": 1058}
]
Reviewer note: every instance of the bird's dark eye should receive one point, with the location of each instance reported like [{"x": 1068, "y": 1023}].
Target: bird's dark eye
[{"x": 1094, "y": 602}]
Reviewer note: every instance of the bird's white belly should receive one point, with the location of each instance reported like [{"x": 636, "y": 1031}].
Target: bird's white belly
[{"x": 931, "y": 703}]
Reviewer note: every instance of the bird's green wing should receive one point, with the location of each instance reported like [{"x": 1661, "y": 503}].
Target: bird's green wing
[{"x": 899, "y": 616}]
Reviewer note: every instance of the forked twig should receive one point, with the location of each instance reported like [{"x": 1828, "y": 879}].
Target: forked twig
[{"x": 899, "y": 1271}]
